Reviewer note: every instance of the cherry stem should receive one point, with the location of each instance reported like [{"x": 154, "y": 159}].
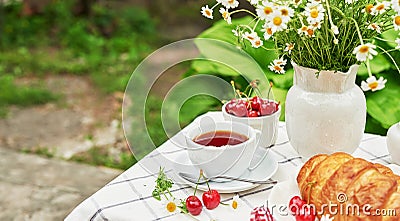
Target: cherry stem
[
  {"x": 269, "y": 90},
  {"x": 224, "y": 204},
  {"x": 197, "y": 184}
]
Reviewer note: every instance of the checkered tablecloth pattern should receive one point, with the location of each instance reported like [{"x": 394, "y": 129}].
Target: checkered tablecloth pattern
[{"x": 129, "y": 196}]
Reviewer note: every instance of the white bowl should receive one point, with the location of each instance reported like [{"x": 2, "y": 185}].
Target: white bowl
[{"x": 268, "y": 125}]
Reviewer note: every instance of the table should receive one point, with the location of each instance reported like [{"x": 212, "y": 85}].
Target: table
[{"x": 129, "y": 196}]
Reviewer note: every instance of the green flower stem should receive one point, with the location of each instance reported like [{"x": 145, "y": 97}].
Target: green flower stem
[
  {"x": 243, "y": 10},
  {"x": 369, "y": 68},
  {"x": 391, "y": 58},
  {"x": 215, "y": 5},
  {"x": 358, "y": 30}
]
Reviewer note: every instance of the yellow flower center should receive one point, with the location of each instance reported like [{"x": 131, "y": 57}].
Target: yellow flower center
[
  {"x": 277, "y": 21},
  {"x": 364, "y": 49},
  {"x": 368, "y": 8},
  {"x": 304, "y": 28},
  {"x": 231, "y": 1},
  {"x": 257, "y": 43},
  {"x": 208, "y": 12},
  {"x": 171, "y": 207},
  {"x": 397, "y": 20},
  {"x": 297, "y": 1},
  {"x": 250, "y": 38},
  {"x": 269, "y": 31},
  {"x": 380, "y": 7},
  {"x": 373, "y": 85},
  {"x": 234, "y": 204},
  {"x": 284, "y": 12},
  {"x": 268, "y": 10},
  {"x": 225, "y": 15},
  {"x": 310, "y": 32},
  {"x": 277, "y": 68},
  {"x": 314, "y": 13}
]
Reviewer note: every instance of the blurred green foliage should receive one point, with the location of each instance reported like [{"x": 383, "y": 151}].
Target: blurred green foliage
[
  {"x": 106, "y": 44},
  {"x": 383, "y": 107},
  {"x": 12, "y": 94}
]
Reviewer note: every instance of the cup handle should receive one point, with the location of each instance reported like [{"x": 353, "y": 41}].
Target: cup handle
[{"x": 258, "y": 136}]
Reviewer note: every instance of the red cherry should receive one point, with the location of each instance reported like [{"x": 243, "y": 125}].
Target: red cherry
[
  {"x": 268, "y": 108},
  {"x": 211, "y": 199},
  {"x": 295, "y": 204},
  {"x": 256, "y": 102},
  {"x": 306, "y": 213},
  {"x": 252, "y": 113},
  {"x": 194, "y": 205},
  {"x": 240, "y": 109}
]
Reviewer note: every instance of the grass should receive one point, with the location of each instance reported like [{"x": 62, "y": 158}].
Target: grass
[
  {"x": 99, "y": 157},
  {"x": 12, "y": 94}
]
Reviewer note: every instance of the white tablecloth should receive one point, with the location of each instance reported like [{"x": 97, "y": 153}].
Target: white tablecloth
[{"x": 129, "y": 196}]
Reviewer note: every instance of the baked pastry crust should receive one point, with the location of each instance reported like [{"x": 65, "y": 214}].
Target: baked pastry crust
[{"x": 375, "y": 187}]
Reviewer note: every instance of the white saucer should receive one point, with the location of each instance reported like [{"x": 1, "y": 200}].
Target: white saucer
[{"x": 265, "y": 170}]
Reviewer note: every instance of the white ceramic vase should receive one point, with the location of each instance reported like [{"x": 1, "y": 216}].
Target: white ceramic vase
[{"x": 325, "y": 111}]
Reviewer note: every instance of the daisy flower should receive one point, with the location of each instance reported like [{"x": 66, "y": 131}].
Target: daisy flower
[
  {"x": 171, "y": 205},
  {"x": 278, "y": 22},
  {"x": 365, "y": 51},
  {"x": 235, "y": 202},
  {"x": 207, "y": 12},
  {"x": 268, "y": 32},
  {"x": 256, "y": 43},
  {"x": 335, "y": 29},
  {"x": 376, "y": 27},
  {"x": 225, "y": 14},
  {"x": 372, "y": 84},
  {"x": 289, "y": 47},
  {"x": 229, "y": 3},
  {"x": 368, "y": 9},
  {"x": 253, "y": 38},
  {"x": 265, "y": 10},
  {"x": 396, "y": 22},
  {"x": 297, "y": 3},
  {"x": 398, "y": 43},
  {"x": 310, "y": 32},
  {"x": 278, "y": 65},
  {"x": 254, "y": 2},
  {"x": 302, "y": 30},
  {"x": 326, "y": 218},
  {"x": 380, "y": 8},
  {"x": 317, "y": 25},
  {"x": 314, "y": 12},
  {"x": 286, "y": 11},
  {"x": 250, "y": 36},
  {"x": 396, "y": 5},
  {"x": 335, "y": 41}
]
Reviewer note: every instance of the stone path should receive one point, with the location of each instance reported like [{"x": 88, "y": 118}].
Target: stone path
[{"x": 36, "y": 188}]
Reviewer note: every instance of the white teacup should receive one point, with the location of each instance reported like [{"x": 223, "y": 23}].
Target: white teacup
[
  {"x": 268, "y": 125},
  {"x": 230, "y": 160}
]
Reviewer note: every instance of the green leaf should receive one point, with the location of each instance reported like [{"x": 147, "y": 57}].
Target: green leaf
[
  {"x": 284, "y": 81},
  {"x": 209, "y": 67},
  {"x": 378, "y": 65},
  {"x": 384, "y": 105},
  {"x": 280, "y": 96}
]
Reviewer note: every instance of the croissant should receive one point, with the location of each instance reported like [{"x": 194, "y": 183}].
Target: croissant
[{"x": 350, "y": 188}]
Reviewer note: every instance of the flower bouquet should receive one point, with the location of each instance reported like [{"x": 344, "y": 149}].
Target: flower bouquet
[{"x": 318, "y": 34}]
